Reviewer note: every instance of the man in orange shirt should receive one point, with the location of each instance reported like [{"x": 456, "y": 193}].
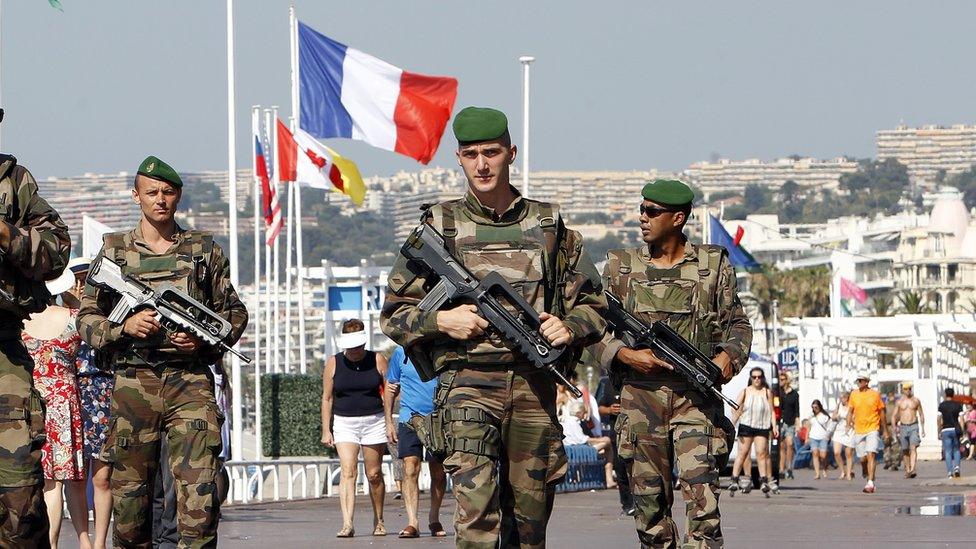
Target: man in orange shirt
[{"x": 867, "y": 419}]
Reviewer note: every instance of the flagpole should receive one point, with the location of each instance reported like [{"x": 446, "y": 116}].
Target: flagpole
[
  {"x": 526, "y": 60},
  {"x": 276, "y": 180},
  {"x": 267, "y": 252},
  {"x": 256, "y": 136},
  {"x": 237, "y": 432},
  {"x": 289, "y": 228},
  {"x": 295, "y": 98}
]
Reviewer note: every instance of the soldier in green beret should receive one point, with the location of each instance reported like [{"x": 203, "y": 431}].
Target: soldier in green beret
[
  {"x": 504, "y": 441},
  {"x": 663, "y": 421},
  {"x": 164, "y": 387},
  {"x": 34, "y": 247}
]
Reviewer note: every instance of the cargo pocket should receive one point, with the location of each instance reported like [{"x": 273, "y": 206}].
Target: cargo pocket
[
  {"x": 194, "y": 452},
  {"x": 625, "y": 444},
  {"x": 472, "y": 431},
  {"x": 695, "y": 452},
  {"x": 558, "y": 464},
  {"x": 651, "y": 466}
]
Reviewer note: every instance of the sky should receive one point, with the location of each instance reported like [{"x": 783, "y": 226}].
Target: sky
[{"x": 626, "y": 85}]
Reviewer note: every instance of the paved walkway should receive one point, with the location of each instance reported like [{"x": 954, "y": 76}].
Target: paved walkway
[{"x": 808, "y": 513}]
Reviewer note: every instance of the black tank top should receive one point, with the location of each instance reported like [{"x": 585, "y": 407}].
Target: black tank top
[{"x": 356, "y": 386}]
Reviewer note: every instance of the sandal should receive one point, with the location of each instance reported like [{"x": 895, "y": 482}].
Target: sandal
[
  {"x": 379, "y": 529},
  {"x": 437, "y": 530},
  {"x": 409, "y": 532},
  {"x": 346, "y": 532}
]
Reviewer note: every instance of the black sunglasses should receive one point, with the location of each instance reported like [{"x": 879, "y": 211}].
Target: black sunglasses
[
  {"x": 757, "y": 377},
  {"x": 654, "y": 211}
]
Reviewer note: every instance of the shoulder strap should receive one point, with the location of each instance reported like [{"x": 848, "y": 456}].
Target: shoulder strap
[
  {"x": 113, "y": 247},
  {"x": 554, "y": 257},
  {"x": 449, "y": 225}
]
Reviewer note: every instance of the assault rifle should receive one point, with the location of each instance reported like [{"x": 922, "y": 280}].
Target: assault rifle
[
  {"x": 425, "y": 247},
  {"x": 175, "y": 310},
  {"x": 668, "y": 345}
]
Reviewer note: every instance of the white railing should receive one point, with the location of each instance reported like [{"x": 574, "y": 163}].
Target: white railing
[{"x": 274, "y": 480}]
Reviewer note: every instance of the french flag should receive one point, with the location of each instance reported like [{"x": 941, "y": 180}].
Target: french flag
[{"x": 344, "y": 92}]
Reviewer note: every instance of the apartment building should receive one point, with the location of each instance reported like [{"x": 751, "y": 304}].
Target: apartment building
[
  {"x": 735, "y": 175},
  {"x": 927, "y": 150}
]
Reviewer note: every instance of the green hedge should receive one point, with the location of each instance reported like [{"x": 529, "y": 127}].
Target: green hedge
[{"x": 291, "y": 418}]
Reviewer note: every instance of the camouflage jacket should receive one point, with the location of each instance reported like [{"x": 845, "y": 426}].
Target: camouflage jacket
[
  {"x": 697, "y": 297},
  {"x": 513, "y": 244},
  {"x": 194, "y": 263},
  {"x": 38, "y": 248}
]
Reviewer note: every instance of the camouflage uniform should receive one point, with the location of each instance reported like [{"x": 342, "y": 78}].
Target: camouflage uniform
[
  {"x": 161, "y": 392},
  {"x": 37, "y": 251},
  {"x": 662, "y": 421},
  {"x": 499, "y": 408}
]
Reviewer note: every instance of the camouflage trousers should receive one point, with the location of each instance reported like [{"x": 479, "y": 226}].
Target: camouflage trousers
[
  {"x": 505, "y": 454},
  {"x": 659, "y": 427},
  {"x": 23, "y": 515},
  {"x": 177, "y": 403}
]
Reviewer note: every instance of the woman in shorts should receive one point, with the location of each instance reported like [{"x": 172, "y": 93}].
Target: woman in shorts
[
  {"x": 821, "y": 428},
  {"x": 352, "y": 420},
  {"x": 755, "y": 419},
  {"x": 843, "y": 445}
]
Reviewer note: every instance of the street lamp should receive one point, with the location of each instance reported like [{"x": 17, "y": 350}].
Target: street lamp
[{"x": 525, "y": 60}]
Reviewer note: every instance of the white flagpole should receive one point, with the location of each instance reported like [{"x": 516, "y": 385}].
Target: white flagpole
[
  {"x": 289, "y": 228},
  {"x": 295, "y": 98},
  {"x": 267, "y": 255},
  {"x": 256, "y": 135},
  {"x": 256, "y": 131},
  {"x": 276, "y": 180},
  {"x": 526, "y": 61},
  {"x": 237, "y": 432}
]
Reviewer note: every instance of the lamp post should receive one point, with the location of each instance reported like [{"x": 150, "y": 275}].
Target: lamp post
[{"x": 525, "y": 60}]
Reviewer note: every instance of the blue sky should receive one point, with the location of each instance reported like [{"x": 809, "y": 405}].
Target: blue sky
[{"x": 623, "y": 85}]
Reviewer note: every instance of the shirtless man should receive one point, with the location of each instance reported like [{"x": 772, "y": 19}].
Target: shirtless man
[{"x": 907, "y": 421}]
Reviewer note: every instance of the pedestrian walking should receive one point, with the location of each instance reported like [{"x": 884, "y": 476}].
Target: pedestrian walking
[
  {"x": 608, "y": 400},
  {"x": 34, "y": 247},
  {"x": 416, "y": 397},
  {"x": 353, "y": 384},
  {"x": 53, "y": 342},
  {"x": 789, "y": 409},
  {"x": 664, "y": 423},
  {"x": 504, "y": 449},
  {"x": 756, "y": 422},
  {"x": 821, "y": 429},
  {"x": 970, "y": 418},
  {"x": 908, "y": 424},
  {"x": 867, "y": 418},
  {"x": 950, "y": 429},
  {"x": 843, "y": 438},
  {"x": 163, "y": 385}
]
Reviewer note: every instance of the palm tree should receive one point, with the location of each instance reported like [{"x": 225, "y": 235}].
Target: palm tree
[
  {"x": 881, "y": 306},
  {"x": 913, "y": 303}
]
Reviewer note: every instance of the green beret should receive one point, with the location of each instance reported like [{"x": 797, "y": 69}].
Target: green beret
[
  {"x": 669, "y": 192},
  {"x": 474, "y": 124},
  {"x": 155, "y": 168}
]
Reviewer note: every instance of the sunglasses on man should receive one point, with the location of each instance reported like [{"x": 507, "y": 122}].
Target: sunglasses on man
[{"x": 654, "y": 211}]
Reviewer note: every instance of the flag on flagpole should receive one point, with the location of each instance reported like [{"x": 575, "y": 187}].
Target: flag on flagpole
[
  {"x": 738, "y": 255},
  {"x": 303, "y": 159},
  {"x": 850, "y": 290},
  {"x": 346, "y": 93},
  {"x": 269, "y": 195}
]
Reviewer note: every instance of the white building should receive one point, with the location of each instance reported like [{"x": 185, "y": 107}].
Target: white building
[
  {"x": 933, "y": 352},
  {"x": 927, "y": 150},
  {"x": 735, "y": 175}
]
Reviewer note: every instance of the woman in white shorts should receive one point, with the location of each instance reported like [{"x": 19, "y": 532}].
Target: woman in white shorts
[
  {"x": 352, "y": 418},
  {"x": 843, "y": 443}
]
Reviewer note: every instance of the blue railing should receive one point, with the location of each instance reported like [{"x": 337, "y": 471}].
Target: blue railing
[{"x": 586, "y": 470}]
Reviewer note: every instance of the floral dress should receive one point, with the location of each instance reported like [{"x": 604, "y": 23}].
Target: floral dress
[
  {"x": 95, "y": 386},
  {"x": 54, "y": 377}
]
